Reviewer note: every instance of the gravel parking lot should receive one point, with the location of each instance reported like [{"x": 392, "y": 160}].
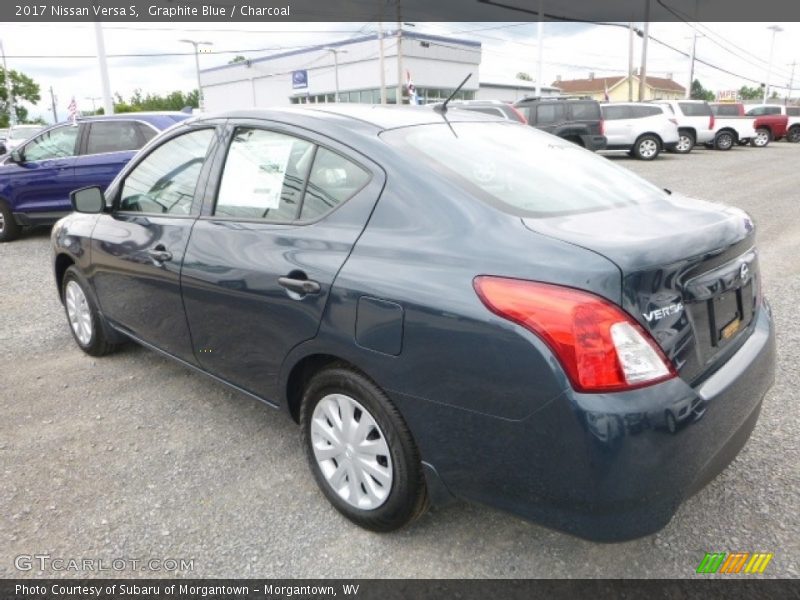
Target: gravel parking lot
[{"x": 134, "y": 456}]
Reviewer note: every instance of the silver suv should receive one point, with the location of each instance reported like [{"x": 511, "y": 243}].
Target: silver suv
[{"x": 641, "y": 129}]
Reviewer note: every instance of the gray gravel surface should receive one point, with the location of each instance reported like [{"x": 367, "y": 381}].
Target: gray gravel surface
[{"x": 133, "y": 456}]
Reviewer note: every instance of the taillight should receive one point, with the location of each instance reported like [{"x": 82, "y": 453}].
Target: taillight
[
  {"x": 600, "y": 347},
  {"x": 602, "y": 127},
  {"x": 711, "y": 122},
  {"x": 520, "y": 116}
]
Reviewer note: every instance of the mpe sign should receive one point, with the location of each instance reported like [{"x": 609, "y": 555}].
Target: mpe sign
[{"x": 299, "y": 79}]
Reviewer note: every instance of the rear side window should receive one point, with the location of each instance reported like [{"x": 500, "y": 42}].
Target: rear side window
[
  {"x": 113, "y": 136},
  {"x": 695, "y": 109},
  {"x": 642, "y": 111},
  {"x": 550, "y": 113},
  {"x": 725, "y": 110},
  {"x": 793, "y": 111},
  {"x": 585, "y": 111},
  {"x": 772, "y": 110},
  {"x": 165, "y": 181},
  {"x": 334, "y": 179},
  {"x": 615, "y": 113},
  {"x": 551, "y": 178}
]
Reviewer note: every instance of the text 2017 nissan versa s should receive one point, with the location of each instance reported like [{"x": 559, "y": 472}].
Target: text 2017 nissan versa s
[{"x": 444, "y": 315}]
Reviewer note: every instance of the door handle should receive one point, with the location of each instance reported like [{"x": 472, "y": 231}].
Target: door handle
[
  {"x": 300, "y": 286},
  {"x": 160, "y": 253}
]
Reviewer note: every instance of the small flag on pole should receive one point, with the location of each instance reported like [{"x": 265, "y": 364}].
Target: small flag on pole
[
  {"x": 605, "y": 93},
  {"x": 73, "y": 111}
]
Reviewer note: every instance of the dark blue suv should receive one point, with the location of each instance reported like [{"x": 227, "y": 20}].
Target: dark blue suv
[{"x": 37, "y": 177}]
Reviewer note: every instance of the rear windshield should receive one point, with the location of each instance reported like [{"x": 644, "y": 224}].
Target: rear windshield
[
  {"x": 793, "y": 111},
  {"x": 585, "y": 111},
  {"x": 695, "y": 109},
  {"x": 521, "y": 170}
]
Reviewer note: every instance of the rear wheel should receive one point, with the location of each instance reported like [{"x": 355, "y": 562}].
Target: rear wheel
[
  {"x": 686, "y": 142},
  {"x": 724, "y": 140},
  {"x": 794, "y": 134},
  {"x": 646, "y": 147},
  {"x": 9, "y": 229},
  {"x": 360, "y": 451},
  {"x": 763, "y": 137}
]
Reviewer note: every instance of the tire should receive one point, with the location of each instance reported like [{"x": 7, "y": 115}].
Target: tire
[
  {"x": 686, "y": 142},
  {"x": 647, "y": 147},
  {"x": 672, "y": 423},
  {"x": 724, "y": 141},
  {"x": 85, "y": 321},
  {"x": 9, "y": 228},
  {"x": 794, "y": 135},
  {"x": 391, "y": 491},
  {"x": 762, "y": 139}
]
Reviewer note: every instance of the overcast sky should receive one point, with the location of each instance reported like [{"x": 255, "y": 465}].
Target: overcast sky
[{"x": 45, "y": 52}]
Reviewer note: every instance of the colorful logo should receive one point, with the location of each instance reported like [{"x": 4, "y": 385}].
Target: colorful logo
[{"x": 735, "y": 562}]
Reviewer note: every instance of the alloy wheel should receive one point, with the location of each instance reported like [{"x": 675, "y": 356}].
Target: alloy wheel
[
  {"x": 684, "y": 143},
  {"x": 351, "y": 451},
  {"x": 762, "y": 138},
  {"x": 80, "y": 316},
  {"x": 648, "y": 148}
]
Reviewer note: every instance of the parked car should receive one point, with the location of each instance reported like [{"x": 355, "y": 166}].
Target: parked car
[
  {"x": 731, "y": 129},
  {"x": 768, "y": 126},
  {"x": 792, "y": 114},
  {"x": 18, "y": 134},
  {"x": 576, "y": 119},
  {"x": 490, "y": 107},
  {"x": 641, "y": 129},
  {"x": 695, "y": 122},
  {"x": 440, "y": 312},
  {"x": 37, "y": 177}
]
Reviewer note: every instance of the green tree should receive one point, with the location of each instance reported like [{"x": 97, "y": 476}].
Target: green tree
[
  {"x": 750, "y": 93},
  {"x": 237, "y": 59},
  {"x": 698, "y": 92},
  {"x": 524, "y": 76},
  {"x": 23, "y": 89},
  {"x": 139, "y": 101}
]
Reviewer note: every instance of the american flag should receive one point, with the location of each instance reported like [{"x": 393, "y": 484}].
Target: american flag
[
  {"x": 73, "y": 111},
  {"x": 412, "y": 89}
]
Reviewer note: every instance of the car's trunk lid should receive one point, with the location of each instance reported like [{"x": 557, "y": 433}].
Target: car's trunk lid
[{"x": 689, "y": 272}]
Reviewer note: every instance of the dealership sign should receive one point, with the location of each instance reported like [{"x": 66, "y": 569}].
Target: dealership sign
[
  {"x": 728, "y": 96},
  {"x": 299, "y": 79}
]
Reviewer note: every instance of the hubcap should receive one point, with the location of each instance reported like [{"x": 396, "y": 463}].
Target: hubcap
[
  {"x": 80, "y": 317},
  {"x": 351, "y": 451},
  {"x": 648, "y": 148},
  {"x": 762, "y": 138},
  {"x": 684, "y": 143},
  {"x": 725, "y": 141}
]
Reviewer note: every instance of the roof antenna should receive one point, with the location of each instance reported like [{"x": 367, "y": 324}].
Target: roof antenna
[{"x": 442, "y": 108}]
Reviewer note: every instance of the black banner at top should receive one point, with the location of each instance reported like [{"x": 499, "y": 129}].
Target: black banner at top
[{"x": 391, "y": 10}]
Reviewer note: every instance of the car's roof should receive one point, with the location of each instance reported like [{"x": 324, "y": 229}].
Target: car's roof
[{"x": 376, "y": 117}]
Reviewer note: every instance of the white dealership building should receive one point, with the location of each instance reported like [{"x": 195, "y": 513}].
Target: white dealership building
[{"x": 435, "y": 64}]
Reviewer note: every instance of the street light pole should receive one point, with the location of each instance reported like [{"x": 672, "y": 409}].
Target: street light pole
[
  {"x": 539, "y": 36},
  {"x": 775, "y": 29},
  {"x": 196, "y": 45},
  {"x": 335, "y": 52},
  {"x": 93, "y": 100}
]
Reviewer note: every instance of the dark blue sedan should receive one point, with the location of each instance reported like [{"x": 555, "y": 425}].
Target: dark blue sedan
[
  {"x": 37, "y": 177},
  {"x": 450, "y": 306}
]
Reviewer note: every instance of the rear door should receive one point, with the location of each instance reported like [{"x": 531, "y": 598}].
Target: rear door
[
  {"x": 138, "y": 249},
  {"x": 41, "y": 183},
  {"x": 278, "y": 224},
  {"x": 618, "y": 126},
  {"x": 106, "y": 147},
  {"x": 550, "y": 117}
]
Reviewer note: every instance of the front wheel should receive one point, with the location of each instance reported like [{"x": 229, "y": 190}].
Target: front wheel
[
  {"x": 794, "y": 135},
  {"x": 763, "y": 137},
  {"x": 686, "y": 142},
  {"x": 361, "y": 452},
  {"x": 724, "y": 140},
  {"x": 646, "y": 147},
  {"x": 83, "y": 317},
  {"x": 9, "y": 229}
]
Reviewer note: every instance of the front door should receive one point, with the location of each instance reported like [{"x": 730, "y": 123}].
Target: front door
[
  {"x": 261, "y": 261},
  {"x": 137, "y": 250}
]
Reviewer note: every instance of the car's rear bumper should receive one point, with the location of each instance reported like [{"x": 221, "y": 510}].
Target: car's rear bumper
[
  {"x": 594, "y": 142},
  {"x": 606, "y": 467},
  {"x": 670, "y": 146}
]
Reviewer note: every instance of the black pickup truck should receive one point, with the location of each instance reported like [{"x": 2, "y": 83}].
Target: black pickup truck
[{"x": 578, "y": 120}]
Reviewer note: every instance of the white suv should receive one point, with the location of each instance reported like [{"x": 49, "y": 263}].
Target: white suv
[
  {"x": 695, "y": 122},
  {"x": 641, "y": 129}
]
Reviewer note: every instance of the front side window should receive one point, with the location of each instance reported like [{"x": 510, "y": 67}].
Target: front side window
[
  {"x": 793, "y": 111},
  {"x": 165, "y": 181},
  {"x": 264, "y": 176},
  {"x": 113, "y": 136},
  {"x": 55, "y": 143}
]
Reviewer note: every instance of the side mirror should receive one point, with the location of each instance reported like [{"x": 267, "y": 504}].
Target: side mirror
[
  {"x": 88, "y": 200},
  {"x": 16, "y": 156}
]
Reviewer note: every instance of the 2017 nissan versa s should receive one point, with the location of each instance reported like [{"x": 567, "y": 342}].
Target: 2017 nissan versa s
[{"x": 449, "y": 305}]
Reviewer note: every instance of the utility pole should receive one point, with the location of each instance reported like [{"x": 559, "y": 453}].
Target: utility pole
[
  {"x": 93, "y": 100},
  {"x": 9, "y": 96},
  {"x": 775, "y": 29},
  {"x": 381, "y": 61},
  {"x": 196, "y": 46},
  {"x": 53, "y": 104},
  {"x": 630, "y": 62},
  {"x": 791, "y": 83},
  {"x": 335, "y": 52},
  {"x": 645, "y": 38},
  {"x": 399, "y": 56},
  {"x": 108, "y": 104},
  {"x": 691, "y": 66},
  {"x": 539, "y": 36}
]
